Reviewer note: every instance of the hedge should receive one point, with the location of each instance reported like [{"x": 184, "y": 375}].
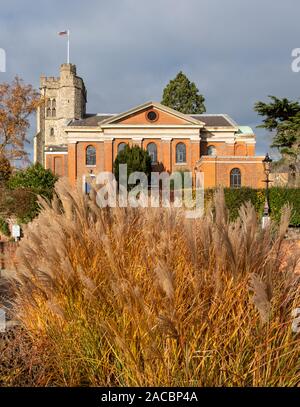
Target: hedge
[{"x": 234, "y": 198}]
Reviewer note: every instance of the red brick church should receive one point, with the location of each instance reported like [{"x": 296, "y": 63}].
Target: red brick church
[{"x": 75, "y": 144}]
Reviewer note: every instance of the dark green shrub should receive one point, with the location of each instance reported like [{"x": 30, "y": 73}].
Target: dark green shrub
[
  {"x": 279, "y": 197},
  {"x": 234, "y": 198},
  {"x": 136, "y": 159},
  {"x": 35, "y": 178},
  {"x": 282, "y": 196},
  {"x": 20, "y": 199}
]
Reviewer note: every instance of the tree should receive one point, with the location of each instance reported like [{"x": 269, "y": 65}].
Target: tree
[
  {"x": 36, "y": 178},
  {"x": 17, "y": 102},
  {"x": 282, "y": 117},
  {"x": 136, "y": 159},
  {"x": 182, "y": 95},
  {"x": 287, "y": 140},
  {"x": 5, "y": 170},
  {"x": 276, "y": 112},
  {"x": 19, "y": 203},
  {"x": 20, "y": 198}
]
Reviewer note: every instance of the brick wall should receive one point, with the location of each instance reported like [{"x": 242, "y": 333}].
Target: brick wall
[{"x": 216, "y": 169}]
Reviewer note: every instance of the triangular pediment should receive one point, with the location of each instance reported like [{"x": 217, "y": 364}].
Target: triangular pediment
[{"x": 152, "y": 113}]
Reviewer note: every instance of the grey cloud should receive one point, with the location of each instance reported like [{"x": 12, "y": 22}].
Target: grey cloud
[{"x": 236, "y": 51}]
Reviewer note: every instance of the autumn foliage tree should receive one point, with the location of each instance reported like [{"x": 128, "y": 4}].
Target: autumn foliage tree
[
  {"x": 5, "y": 170},
  {"x": 17, "y": 102}
]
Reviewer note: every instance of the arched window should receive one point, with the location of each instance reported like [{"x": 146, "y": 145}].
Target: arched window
[
  {"x": 121, "y": 147},
  {"x": 235, "y": 178},
  {"x": 90, "y": 155},
  {"x": 53, "y": 103},
  {"x": 152, "y": 151},
  {"x": 53, "y": 112},
  {"x": 212, "y": 151},
  {"x": 51, "y": 131},
  {"x": 180, "y": 153}
]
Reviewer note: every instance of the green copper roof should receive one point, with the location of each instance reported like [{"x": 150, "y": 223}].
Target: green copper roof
[{"x": 245, "y": 130}]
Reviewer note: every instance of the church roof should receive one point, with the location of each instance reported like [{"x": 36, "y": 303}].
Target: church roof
[
  {"x": 245, "y": 130},
  {"x": 215, "y": 120},
  {"x": 210, "y": 120},
  {"x": 91, "y": 119}
]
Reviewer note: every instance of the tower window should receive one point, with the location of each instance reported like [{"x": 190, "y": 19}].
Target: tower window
[
  {"x": 51, "y": 108},
  {"x": 180, "y": 153},
  {"x": 235, "y": 178},
  {"x": 52, "y": 131},
  {"x": 90, "y": 155}
]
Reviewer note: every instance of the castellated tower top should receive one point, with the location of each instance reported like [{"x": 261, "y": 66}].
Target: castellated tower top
[
  {"x": 66, "y": 94},
  {"x": 69, "y": 93},
  {"x": 71, "y": 68},
  {"x": 65, "y": 99}
]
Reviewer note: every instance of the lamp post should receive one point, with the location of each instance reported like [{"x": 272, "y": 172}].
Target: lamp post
[{"x": 267, "y": 210}]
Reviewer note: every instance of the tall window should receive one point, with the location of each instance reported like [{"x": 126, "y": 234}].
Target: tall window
[
  {"x": 51, "y": 131},
  {"x": 121, "y": 147},
  {"x": 235, "y": 178},
  {"x": 180, "y": 153},
  {"x": 90, "y": 155},
  {"x": 152, "y": 151},
  {"x": 48, "y": 110},
  {"x": 211, "y": 150},
  {"x": 51, "y": 108}
]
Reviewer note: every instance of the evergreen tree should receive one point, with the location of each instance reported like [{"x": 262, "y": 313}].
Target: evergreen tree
[
  {"x": 136, "y": 159},
  {"x": 276, "y": 112},
  {"x": 182, "y": 95},
  {"x": 282, "y": 116}
]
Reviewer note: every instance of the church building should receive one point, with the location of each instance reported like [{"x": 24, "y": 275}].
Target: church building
[{"x": 78, "y": 145}]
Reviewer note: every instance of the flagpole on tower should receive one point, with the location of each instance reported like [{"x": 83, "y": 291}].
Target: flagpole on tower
[
  {"x": 66, "y": 33},
  {"x": 68, "y": 45}
]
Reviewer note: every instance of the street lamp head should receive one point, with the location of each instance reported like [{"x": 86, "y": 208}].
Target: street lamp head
[
  {"x": 267, "y": 164},
  {"x": 267, "y": 159}
]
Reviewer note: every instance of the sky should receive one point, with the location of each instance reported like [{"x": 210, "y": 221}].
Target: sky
[{"x": 236, "y": 51}]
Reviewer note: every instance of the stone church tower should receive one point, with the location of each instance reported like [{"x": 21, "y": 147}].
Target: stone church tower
[{"x": 65, "y": 100}]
